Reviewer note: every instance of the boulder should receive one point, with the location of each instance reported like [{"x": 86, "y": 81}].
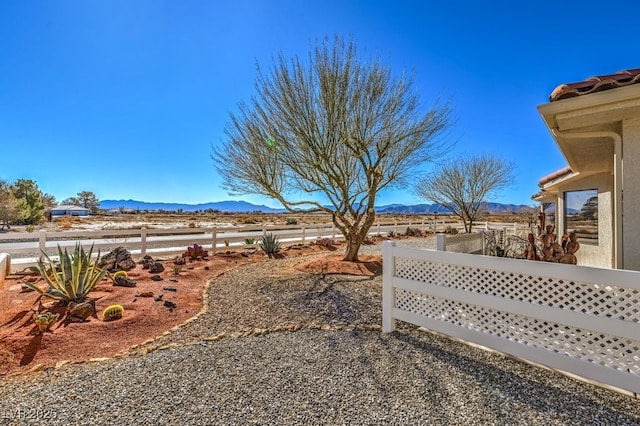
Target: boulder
[
  {"x": 122, "y": 281},
  {"x": 116, "y": 260}
]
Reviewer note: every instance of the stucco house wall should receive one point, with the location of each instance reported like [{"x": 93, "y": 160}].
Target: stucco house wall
[
  {"x": 601, "y": 254},
  {"x": 631, "y": 188},
  {"x": 596, "y": 124}
]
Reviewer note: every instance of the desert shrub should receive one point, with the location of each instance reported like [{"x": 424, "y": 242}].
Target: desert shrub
[
  {"x": 249, "y": 241},
  {"x": 292, "y": 221},
  {"x": 65, "y": 223},
  {"x": 72, "y": 279},
  {"x": 30, "y": 228},
  {"x": 196, "y": 252},
  {"x": 192, "y": 224},
  {"x": 413, "y": 232},
  {"x": 391, "y": 234},
  {"x": 247, "y": 220},
  {"x": 325, "y": 242},
  {"x": 450, "y": 230},
  {"x": 270, "y": 244}
]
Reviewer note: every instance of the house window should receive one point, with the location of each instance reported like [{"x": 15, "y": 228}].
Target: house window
[{"x": 581, "y": 214}]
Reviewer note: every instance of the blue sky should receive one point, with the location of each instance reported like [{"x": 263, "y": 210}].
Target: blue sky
[{"x": 126, "y": 98}]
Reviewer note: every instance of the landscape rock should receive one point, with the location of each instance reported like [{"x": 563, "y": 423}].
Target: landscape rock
[
  {"x": 169, "y": 288},
  {"x": 116, "y": 260},
  {"x": 122, "y": 281},
  {"x": 169, "y": 304},
  {"x": 80, "y": 311},
  {"x": 146, "y": 260},
  {"x": 156, "y": 278},
  {"x": 156, "y": 267}
]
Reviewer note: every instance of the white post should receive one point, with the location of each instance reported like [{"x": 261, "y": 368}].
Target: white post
[
  {"x": 481, "y": 232},
  {"x": 388, "y": 299},
  {"x": 214, "y": 240},
  {"x": 441, "y": 244},
  {"x": 143, "y": 241},
  {"x": 42, "y": 240},
  {"x": 333, "y": 231},
  {"x": 303, "y": 233},
  {"x": 395, "y": 228}
]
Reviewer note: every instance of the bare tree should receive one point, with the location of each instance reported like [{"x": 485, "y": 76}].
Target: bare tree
[
  {"x": 465, "y": 184},
  {"x": 328, "y": 134}
]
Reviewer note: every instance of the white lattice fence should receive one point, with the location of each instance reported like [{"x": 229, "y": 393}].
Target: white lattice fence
[{"x": 585, "y": 321}]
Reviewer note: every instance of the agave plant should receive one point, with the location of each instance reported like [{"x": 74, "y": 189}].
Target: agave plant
[
  {"x": 73, "y": 278},
  {"x": 270, "y": 244}
]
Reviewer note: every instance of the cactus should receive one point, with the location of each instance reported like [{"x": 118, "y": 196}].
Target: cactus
[
  {"x": 45, "y": 320},
  {"x": 112, "y": 312},
  {"x": 197, "y": 252}
]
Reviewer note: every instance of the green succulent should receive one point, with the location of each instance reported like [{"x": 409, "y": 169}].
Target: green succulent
[
  {"x": 270, "y": 244},
  {"x": 73, "y": 278}
]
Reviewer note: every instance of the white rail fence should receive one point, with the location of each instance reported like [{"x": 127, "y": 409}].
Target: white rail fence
[
  {"x": 25, "y": 247},
  {"x": 581, "y": 320}
]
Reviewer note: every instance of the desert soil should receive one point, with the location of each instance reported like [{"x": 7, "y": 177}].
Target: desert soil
[{"x": 23, "y": 349}]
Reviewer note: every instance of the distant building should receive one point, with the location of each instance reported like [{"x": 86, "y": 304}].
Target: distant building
[{"x": 69, "y": 211}]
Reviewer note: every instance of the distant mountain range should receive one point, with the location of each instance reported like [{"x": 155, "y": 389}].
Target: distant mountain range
[{"x": 245, "y": 207}]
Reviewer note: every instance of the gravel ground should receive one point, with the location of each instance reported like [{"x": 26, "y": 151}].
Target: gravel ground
[{"x": 328, "y": 372}]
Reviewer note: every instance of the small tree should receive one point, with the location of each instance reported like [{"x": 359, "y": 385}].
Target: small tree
[
  {"x": 86, "y": 199},
  {"x": 30, "y": 203},
  {"x": 89, "y": 200},
  {"x": 463, "y": 185},
  {"x": 328, "y": 134},
  {"x": 71, "y": 201},
  {"x": 8, "y": 205}
]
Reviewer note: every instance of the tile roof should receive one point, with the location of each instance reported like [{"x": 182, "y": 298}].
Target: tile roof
[
  {"x": 595, "y": 84},
  {"x": 555, "y": 175}
]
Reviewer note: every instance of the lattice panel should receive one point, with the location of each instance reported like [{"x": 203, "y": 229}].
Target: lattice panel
[
  {"x": 593, "y": 299},
  {"x": 605, "y": 350}
]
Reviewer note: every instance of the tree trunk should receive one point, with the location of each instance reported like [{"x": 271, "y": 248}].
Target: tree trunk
[
  {"x": 355, "y": 237},
  {"x": 353, "y": 246}
]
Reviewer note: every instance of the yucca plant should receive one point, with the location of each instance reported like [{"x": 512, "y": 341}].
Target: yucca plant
[
  {"x": 270, "y": 244},
  {"x": 73, "y": 278}
]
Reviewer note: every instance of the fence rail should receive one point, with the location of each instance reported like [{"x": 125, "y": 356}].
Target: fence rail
[
  {"x": 25, "y": 247},
  {"x": 581, "y": 320}
]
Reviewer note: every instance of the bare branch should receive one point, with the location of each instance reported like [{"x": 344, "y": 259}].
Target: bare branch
[
  {"x": 465, "y": 184},
  {"x": 330, "y": 125}
]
